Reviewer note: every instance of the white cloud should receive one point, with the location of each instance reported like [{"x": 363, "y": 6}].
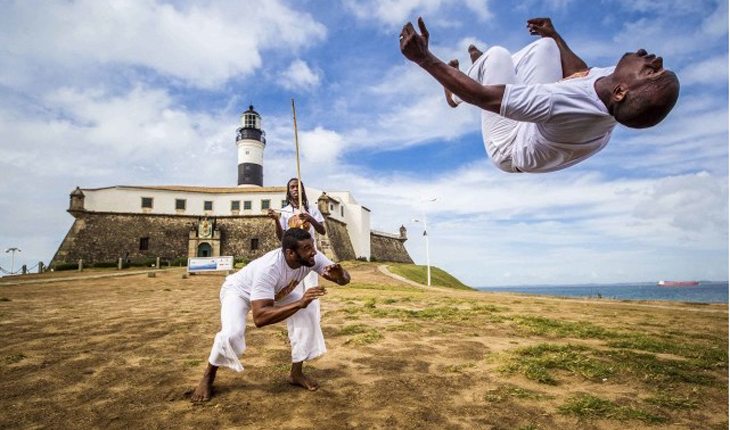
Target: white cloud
[
  {"x": 710, "y": 72},
  {"x": 201, "y": 44},
  {"x": 299, "y": 76},
  {"x": 395, "y": 13}
]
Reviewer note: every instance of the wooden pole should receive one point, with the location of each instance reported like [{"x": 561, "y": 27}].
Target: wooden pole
[{"x": 296, "y": 143}]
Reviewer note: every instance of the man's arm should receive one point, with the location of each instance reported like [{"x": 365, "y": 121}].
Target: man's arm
[
  {"x": 570, "y": 62},
  {"x": 318, "y": 227},
  {"x": 273, "y": 215},
  {"x": 414, "y": 46},
  {"x": 336, "y": 274},
  {"x": 265, "y": 313}
]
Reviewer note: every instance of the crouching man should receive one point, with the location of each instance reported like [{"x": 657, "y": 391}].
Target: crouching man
[{"x": 267, "y": 287}]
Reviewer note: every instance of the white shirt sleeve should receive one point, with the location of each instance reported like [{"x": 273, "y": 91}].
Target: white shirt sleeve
[
  {"x": 528, "y": 103},
  {"x": 320, "y": 262},
  {"x": 316, "y": 214}
]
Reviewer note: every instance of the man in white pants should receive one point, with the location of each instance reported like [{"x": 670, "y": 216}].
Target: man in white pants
[
  {"x": 267, "y": 287},
  {"x": 543, "y": 109}
]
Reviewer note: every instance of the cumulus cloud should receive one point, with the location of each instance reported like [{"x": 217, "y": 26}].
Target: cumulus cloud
[
  {"x": 709, "y": 72},
  {"x": 299, "y": 76},
  {"x": 203, "y": 44}
]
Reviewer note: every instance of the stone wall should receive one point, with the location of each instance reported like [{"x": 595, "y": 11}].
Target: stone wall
[
  {"x": 388, "y": 248},
  {"x": 98, "y": 237},
  {"x": 339, "y": 242},
  {"x": 105, "y": 237}
]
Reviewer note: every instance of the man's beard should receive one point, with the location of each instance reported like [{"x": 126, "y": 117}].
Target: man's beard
[{"x": 304, "y": 262}]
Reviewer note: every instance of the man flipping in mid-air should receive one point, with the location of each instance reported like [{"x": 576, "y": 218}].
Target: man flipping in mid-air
[
  {"x": 266, "y": 286},
  {"x": 543, "y": 109}
]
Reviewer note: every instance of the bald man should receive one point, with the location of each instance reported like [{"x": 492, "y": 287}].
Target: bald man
[{"x": 543, "y": 109}]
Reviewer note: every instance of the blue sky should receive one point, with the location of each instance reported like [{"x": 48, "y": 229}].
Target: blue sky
[{"x": 150, "y": 92}]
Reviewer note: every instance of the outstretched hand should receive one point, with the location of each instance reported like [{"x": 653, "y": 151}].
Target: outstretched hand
[
  {"x": 310, "y": 295},
  {"x": 336, "y": 273},
  {"x": 414, "y": 46},
  {"x": 541, "y": 27}
]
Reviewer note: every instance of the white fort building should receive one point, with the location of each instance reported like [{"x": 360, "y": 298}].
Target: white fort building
[{"x": 174, "y": 222}]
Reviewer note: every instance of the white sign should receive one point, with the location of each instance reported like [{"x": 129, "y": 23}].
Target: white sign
[{"x": 209, "y": 264}]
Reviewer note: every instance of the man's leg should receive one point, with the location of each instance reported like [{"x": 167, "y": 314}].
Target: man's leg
[
  {"x": 495, "y": 67},
  {"x": 305, "y": 335},
  {"x": 228, "y": 345},
  {"x": 538, "y": 62}
]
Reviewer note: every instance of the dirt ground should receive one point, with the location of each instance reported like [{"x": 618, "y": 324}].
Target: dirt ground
[{"x": 125, "y": 352}]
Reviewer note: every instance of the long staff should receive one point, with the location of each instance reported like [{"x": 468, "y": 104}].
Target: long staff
[{"x": 296, "y": 143}]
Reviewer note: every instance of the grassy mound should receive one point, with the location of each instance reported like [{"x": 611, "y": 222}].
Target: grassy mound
[{"x": 417, "y": 273}]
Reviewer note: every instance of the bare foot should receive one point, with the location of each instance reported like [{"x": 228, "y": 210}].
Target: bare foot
[
  {"x": 204, "y": 391},
  {"x": 474, "y": 53},
  {"x": 303, "y": 381}
]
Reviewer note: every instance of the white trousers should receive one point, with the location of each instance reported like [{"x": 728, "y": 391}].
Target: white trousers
[
  {"x": 536, "y": 63},
  {"x": 305, "y": 333}
]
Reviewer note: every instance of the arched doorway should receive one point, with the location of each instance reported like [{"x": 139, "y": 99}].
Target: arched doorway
[{"x": 205, "y": 250}]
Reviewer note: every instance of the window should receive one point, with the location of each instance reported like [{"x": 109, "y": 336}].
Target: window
[
  {"x": 247, "y": 205},
  {"x": 144, "y": 243},
  {"x": 146, "y": 202},
  {"x": 180, "y": 204},
  {"x": 265, "y": 204},
  {"x": 284, "y": 203},
  {"x": 207, "y": 205},
  {"x": 342, "y": 211},
  {"x": 254, "y": 244},
  {"x": 332, "y": 207},
  {"x": 235, "y": 205}
]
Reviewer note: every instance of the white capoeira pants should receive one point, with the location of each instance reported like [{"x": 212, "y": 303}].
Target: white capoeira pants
[
  {"x": 536, "y": 63},
  {"x": 305, "y": 333}
]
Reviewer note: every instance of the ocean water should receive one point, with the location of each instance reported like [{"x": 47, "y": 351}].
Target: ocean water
[{"x": 706, "y": 292}]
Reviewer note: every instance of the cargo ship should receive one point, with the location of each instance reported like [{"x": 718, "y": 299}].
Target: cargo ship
[{"x": 678, "y": 283}]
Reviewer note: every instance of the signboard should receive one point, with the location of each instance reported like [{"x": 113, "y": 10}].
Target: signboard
[{"x": 209, "y": 264}]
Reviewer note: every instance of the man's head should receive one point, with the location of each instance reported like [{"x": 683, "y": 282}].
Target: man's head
[
  {"x": 643, "y": 91},
  {"x": 292, "y": 193},
  {"x": 298, "y": 247}
]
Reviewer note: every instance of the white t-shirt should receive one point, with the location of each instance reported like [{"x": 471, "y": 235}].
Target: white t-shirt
[
  {"x": 269, "y": 274},
  {"x": 288, "y": 212},
  {"x": 561, "y": 123}
]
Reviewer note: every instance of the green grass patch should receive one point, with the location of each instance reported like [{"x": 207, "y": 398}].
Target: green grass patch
[
  {"x": 557, "y": 328},
  {"x": 351, "y": 329},
  {"x": 192, "y": 362},
  {"x": 540, "y": 361},
  {"x": 409, "y": 326},
  {"x": 417, "y": 273},
  {"x": 13, "y": 358},
  {"x": 591, "y": 407},
  {"x": 366, "y": 338},
  {"x": 650, "y": 369},
  {"x": 366, "y": 286},
  {"x": 671, "y": 402},
  {"x": 701, "y": 354}
]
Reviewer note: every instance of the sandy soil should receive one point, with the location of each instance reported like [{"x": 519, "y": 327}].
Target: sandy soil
[{"x": 125, "y": 352}]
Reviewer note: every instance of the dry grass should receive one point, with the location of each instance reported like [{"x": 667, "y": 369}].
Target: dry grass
[{"x": 122, "y": 353}]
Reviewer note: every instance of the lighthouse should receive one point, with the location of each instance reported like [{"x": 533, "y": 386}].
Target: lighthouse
[{"x": 250, "y": 141}]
